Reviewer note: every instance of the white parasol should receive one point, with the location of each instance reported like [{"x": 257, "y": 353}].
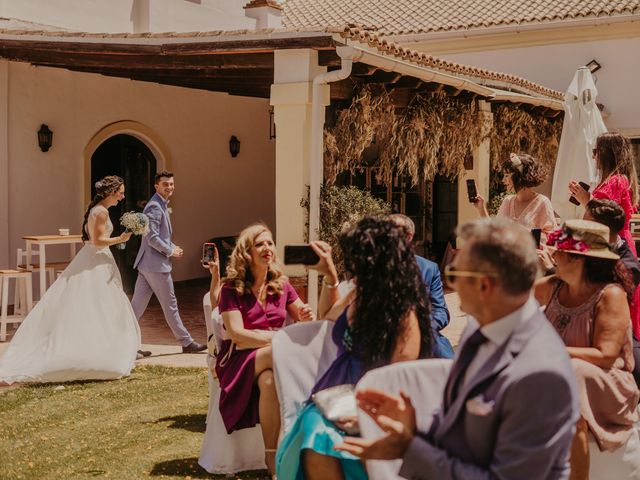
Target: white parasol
[{"x": 582, "y": 125}]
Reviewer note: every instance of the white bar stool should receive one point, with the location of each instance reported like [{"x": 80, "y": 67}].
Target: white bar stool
[{"x": 23, "y": 292}]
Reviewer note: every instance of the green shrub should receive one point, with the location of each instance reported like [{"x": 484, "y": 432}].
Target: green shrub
[{"x": 341, "y": 207}]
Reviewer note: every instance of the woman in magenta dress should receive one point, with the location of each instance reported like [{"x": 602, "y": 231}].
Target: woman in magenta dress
[
  {"x": 619, "y": 181},
  {"x": 254, "y": 302}
]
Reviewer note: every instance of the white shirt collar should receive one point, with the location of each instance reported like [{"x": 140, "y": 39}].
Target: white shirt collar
[{"x": 499, "y": 331}]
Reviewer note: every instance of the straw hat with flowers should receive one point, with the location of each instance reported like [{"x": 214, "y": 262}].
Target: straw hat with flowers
[{"x": 582, "y": 237}]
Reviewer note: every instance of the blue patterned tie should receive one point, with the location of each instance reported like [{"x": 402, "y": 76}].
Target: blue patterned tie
[{"x": 467, "y": 354}]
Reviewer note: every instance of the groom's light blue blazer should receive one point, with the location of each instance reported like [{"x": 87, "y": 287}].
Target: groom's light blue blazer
[{"x": 156, "y": 247}]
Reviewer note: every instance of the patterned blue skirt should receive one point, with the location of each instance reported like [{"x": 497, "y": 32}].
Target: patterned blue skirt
[{"x": 311, "y": 430}]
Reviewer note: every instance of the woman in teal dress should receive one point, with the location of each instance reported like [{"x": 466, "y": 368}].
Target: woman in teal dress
[{"x": 384, "y": 320}]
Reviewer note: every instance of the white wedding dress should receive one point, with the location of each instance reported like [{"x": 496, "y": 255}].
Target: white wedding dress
[{"x": 83, "y": 328}]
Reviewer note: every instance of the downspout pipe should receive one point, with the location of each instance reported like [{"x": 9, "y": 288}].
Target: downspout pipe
[{"x": 348, "y": 55}]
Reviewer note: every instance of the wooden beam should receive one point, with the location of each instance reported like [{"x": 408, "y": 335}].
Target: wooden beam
[
  {"x": 54, "y": 59},
  {"x": 265, "y": 45},
  {"x": 233, "y": 46},
  {"x": 409, "y": 82},
  {"x": 342, "y": 90},
  {"x": 261, "y": 74}
]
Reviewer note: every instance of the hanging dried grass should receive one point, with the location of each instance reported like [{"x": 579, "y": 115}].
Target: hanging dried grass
[
  {"x": 356, "y": 128},
  {"x": 516, "y": 130},
  {"x": 434, "y": 135}
]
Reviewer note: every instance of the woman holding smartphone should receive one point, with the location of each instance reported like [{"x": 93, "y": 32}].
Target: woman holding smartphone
[
  {"x": 530, "y": 209},
  {"x": 254, "y": 301},
  {"x": 619, "y": 181}
]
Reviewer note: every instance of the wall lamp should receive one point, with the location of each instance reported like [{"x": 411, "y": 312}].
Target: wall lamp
[
  {"x": 45, "y": 138},
  {"x": 234, "y": 146},
  {"x": 593, "y": 66}
]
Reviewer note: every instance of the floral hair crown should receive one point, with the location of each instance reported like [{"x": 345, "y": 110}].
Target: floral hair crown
[{"x": 516, "y": 162}]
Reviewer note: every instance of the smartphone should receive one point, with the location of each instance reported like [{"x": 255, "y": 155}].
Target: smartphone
[
  {"x": 208, "y": 253},
  {"x": 472, "y": 191},
  {"x": 300, "y": 255},
  {"x": 573, "y": 199},
  {"x": 536, "y": 232}
]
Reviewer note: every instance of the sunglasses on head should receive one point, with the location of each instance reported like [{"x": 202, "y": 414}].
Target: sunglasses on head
[{"x": 450, "y": 274}]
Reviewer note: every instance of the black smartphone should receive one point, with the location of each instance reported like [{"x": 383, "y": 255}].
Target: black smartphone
[
  {"x": 208, "y": 253},
  {"x": 573, "y": 199},
  {"x": 536, "y": 232},
  {"x": 472, "y": 191},
  {"x": 300, "y": 255}
]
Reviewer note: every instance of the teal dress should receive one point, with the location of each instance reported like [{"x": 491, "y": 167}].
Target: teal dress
[{"x": 311, "y": 430}]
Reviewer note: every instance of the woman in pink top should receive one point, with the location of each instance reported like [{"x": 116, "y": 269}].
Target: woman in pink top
[
  {"x": 521, "y": 173},
  {"x": 619, "y": 181}
]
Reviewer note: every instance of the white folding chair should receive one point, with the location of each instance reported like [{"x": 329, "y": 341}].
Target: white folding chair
[
  {"x": 223, "y": 453},
  {"x": 302, "y": 353},
  {"x": 423, "y": 381}
]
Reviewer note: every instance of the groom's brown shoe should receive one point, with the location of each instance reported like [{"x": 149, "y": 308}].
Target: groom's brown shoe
[
  {"x": 144, "y": 353},
  {"x": 194, "y": 347}
]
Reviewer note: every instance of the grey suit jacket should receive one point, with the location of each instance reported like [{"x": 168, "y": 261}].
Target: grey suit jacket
[
  {"x": 524, "y": 428},
  {"x": 156, "y": 247}
]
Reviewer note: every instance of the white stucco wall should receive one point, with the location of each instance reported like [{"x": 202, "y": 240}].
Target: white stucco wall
[
  {"x": 215, "y": 195},
  {"x": 555, "y": 65},
  {"x": 113, "y": 16}
]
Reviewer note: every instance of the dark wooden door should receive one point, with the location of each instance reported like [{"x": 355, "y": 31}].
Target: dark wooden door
[
  {"x": 131, "y": 159},
  {"x": 445, "y": 213}
]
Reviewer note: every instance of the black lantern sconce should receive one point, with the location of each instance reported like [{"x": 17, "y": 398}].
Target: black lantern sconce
[
  {"x": 45, "y": 138},
  {"x": 272, "y": 125},
  {"x": 234, "y": 146}
]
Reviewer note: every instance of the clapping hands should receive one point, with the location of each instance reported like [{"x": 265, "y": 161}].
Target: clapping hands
[{"x": 393, "y": 414}]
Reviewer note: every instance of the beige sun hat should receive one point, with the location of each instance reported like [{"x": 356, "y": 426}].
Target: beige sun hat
[{"x": 582, "y": 237}]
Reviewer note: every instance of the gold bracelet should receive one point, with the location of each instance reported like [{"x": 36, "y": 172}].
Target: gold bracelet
[{"x": 324, "y": 282}]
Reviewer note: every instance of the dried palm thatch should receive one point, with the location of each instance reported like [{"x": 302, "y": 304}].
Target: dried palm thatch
[
  {"x": 356, "y": 128},
  {"x": 516, "y": 130},
  {"x": 434, "y": 135}
]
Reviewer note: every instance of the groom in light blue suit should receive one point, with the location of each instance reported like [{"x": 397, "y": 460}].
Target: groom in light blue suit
[{"x": 154, "y": 264}]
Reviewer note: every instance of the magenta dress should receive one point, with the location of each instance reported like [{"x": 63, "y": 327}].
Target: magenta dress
[
  {"x": 236, "y": 368},
  {"x": 617, "y": 188}
]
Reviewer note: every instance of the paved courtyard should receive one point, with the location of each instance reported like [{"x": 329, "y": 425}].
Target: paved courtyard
[{"x": 157, "y": 337}]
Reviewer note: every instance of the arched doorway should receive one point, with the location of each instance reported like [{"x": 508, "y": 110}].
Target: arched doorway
[{"x": 129, "y": 158}]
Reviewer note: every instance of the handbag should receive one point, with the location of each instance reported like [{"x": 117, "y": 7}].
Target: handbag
[{"x": 336, "y": 403}]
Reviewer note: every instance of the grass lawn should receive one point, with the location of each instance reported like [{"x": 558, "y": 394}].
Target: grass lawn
[{"x": 150, "y": 424}]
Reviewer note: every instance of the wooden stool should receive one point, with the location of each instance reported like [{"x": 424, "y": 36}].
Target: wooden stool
[{"x": 24, "y": 294}]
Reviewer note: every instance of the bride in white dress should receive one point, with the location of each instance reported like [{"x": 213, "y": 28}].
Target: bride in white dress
[{"x": 83, "y": 328}]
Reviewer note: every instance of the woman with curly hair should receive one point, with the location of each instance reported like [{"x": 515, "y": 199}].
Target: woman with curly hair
[
  {"x": 83, "y": 327},
  {"x": 254, "y": 302},
  {"x": 521, "y": 173},
  {"x": 619, "y": 180},
  {"x": 384, "y": 320}
]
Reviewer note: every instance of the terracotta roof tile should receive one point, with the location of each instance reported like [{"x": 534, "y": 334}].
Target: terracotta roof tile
[
  {"x": 421, "y": 58},
  {"x": 422, "y": 16}
]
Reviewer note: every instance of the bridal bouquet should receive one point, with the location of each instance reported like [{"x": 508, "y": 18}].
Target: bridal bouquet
[{"x": 135, "y": 222}]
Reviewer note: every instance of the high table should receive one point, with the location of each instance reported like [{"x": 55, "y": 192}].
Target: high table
[{"x": 42, "y": 241}]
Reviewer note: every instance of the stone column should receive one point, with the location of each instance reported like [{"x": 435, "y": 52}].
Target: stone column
[
  {"x": 291, "y": 96},
  {"x": 480, "y": 172}
]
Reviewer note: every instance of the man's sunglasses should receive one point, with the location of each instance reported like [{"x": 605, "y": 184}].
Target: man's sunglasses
[{"x": 450, "y": 274}]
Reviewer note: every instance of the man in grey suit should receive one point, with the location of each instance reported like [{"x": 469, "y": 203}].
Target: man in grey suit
[
  {"x": 154, "y": 265},
  {"x": 510, "y": 404}
]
